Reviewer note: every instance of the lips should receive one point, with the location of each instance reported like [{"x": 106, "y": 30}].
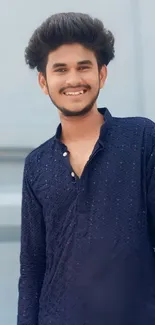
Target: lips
[{"x": 75, "y": 93}]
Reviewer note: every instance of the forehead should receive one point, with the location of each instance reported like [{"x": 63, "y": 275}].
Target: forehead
[{"x": 71, "y": 54}]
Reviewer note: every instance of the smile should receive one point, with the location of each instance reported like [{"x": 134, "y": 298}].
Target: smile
[{"x": 74, "y": 93}]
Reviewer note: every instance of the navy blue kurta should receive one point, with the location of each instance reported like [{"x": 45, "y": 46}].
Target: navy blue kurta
[{"x": 87, "y": 244}]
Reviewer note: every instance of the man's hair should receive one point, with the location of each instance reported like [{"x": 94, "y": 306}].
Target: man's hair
[{"x": 69, "y": 28}]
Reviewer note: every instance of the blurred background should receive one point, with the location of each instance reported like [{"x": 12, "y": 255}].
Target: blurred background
[{"x": 27, "y": 117}]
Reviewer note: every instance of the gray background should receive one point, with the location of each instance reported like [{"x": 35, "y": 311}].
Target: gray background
[{"x": 28, "y": 118}]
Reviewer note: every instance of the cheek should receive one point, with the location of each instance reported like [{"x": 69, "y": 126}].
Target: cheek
[
  {"x": 54, "y": 91},
  {"x": 93, "y": 81},
  {"x": 54, "y": 84}
]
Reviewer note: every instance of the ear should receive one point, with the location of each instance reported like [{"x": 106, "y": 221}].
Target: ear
[
  {"x": 43, "y": 83},
  {"x": 103, "y": 75}
]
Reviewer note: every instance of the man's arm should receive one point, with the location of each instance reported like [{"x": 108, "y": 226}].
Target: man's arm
[
  {"x": 151, "y": 190},
  {"x": 32, "y": 255}
]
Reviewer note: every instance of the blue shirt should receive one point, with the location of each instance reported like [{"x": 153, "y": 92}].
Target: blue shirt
[{"x": 87, "y": 244}]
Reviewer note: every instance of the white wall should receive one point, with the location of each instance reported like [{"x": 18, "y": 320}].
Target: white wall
[{"x": 147, "y": 48}]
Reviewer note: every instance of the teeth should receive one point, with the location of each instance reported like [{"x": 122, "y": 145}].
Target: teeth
[{"x": 74, "y": 93}]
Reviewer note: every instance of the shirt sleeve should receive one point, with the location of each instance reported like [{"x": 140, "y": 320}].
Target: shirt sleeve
[
  {"x": 32, "y": 255},
  {"x": 151, "y": 192}
]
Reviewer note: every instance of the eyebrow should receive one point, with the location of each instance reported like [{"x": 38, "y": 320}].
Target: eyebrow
[
  {"x": 58, "y": 65},
  {"x": 85, "y": 62}
]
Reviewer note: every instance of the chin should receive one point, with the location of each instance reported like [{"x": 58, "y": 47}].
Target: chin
[{"x": 76, "y": 112}]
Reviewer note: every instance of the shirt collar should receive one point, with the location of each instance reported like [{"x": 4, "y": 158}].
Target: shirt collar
[
  {"x": 107, "y": 120},
  {"x": 106, "y": 124}
]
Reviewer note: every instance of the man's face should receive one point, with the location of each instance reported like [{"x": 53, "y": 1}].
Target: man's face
[{"x": 73, "y": 80}]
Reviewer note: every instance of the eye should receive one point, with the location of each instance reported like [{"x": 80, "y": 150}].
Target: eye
[
  {"x": 61, "y": 70},
  {"x": 84, "y": 67}
]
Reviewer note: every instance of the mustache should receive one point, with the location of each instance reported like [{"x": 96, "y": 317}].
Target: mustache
[{"x": 75, "y": 87}]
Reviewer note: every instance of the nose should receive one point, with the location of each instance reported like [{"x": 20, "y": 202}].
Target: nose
[{"x": 73, "y": 78}]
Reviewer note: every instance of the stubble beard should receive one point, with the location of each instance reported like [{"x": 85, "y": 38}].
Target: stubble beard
[{"x": 71, "y": 113}]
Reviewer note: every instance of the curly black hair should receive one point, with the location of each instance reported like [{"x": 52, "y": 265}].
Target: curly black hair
[{"x": 69, "y": 28}]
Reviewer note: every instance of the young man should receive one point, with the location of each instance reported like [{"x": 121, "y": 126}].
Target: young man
[{"x": 88, "y": 208}]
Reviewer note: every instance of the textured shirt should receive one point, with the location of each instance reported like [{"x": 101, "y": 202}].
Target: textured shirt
[{"x": 87, "y": 244}]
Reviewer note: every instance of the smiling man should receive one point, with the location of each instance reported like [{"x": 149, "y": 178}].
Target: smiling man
[
  {"x": 88, "y": 206},
  {"x": 73, "y": 79}
]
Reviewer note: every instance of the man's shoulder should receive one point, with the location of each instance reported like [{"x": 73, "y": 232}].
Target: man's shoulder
[
  {"x": 40, "y": 153},
  {"x": 137, "y": 121},
  {"x": 136, "y": 129},
  {"x": 133, "y": 126}
]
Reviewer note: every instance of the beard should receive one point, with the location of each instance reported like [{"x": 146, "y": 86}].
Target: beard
[{"x": 84, "y": 111}]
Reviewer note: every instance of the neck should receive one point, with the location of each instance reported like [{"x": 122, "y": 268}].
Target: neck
[{"x": 81, "y": 127}]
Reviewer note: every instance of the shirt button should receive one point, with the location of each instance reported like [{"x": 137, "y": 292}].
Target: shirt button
[
  {"x": 65, "y": 154},
  {"x": 72, "y": 174}
]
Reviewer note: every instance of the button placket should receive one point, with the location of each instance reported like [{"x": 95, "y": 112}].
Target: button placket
[{"x": 72, "y": 173}]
